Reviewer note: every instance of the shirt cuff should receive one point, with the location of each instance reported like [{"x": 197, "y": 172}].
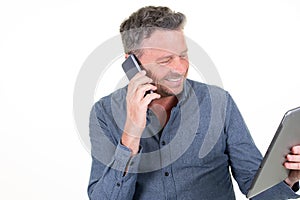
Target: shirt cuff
[
  {"x": 295, "y": 188},
  {"x": 123, "y": 161}
]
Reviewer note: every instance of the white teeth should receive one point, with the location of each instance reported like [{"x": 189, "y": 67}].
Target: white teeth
[{"x": 174, "y": 79}]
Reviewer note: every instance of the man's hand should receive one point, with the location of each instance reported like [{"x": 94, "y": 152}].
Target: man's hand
[
  {"x": 293, "y": 163},
  {"x": 137, "y": 105}
]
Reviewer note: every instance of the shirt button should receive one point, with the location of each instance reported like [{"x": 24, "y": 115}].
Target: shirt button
[
  {"x": 163, "y": 143},
  {"x": 167, "y": 174},
  {"x": 118, "y": 184}
]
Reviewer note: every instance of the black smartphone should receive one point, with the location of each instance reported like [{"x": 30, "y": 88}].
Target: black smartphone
[{"x": 131, "y": 66}]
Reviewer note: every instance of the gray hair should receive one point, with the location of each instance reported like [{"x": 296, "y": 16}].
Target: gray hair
[{"x": 142, "y": 23}]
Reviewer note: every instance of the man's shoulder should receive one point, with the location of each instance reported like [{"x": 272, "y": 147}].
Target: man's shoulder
[
  {"x": 204, "y": 88},
  {"x": 118, "y": 95}
]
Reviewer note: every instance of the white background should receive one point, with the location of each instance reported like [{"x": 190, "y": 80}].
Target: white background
[{"x": 255, "y": 46}]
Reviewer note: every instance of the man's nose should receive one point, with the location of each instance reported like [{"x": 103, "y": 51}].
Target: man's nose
[{"x": 179, "y": 65}]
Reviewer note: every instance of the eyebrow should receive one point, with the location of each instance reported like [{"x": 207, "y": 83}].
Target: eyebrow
[
  {"x": 185, "y": 51},
  {"x": 171, "y": 55}
]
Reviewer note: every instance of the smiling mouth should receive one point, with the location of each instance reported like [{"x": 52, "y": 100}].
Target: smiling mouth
[
  {"x": 174, "y": 79},
  {"x": 174, "y": 82}
]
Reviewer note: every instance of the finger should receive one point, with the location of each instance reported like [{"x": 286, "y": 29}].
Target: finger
[
  {"x": 142, "y": 89},
  {"x": 292, "y": 165},
  {"x": 141, "y": 76},
  {"x": 138, "y": 95},
  {"x": 295, "y": 149},
  {"x": 150, "y": 97},
  {"x": 137, "y": 81},
  {"x": 293, "y": 158}
]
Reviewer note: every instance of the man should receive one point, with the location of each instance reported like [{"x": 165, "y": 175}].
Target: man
[{"x": 178, "y": 141}]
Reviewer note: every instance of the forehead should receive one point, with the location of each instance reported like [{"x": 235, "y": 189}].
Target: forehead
[{"x": 172, "y": 41}]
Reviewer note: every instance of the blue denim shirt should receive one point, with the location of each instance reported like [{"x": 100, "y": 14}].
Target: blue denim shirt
[{"x": 204, "y": 144}]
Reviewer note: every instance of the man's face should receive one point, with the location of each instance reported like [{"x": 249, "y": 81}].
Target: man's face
[{"x": 165, "y": 60}]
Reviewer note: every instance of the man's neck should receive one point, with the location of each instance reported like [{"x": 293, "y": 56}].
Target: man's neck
[{"x": 162, "y": 108}]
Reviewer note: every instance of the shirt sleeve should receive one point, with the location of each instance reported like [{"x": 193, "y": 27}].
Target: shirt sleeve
[
  {"x": 110, "y": 161},
  {"x": 245, "y": 158}
]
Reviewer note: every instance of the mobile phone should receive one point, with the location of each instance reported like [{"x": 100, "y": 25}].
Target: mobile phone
[{"x": 131, "y": 66}]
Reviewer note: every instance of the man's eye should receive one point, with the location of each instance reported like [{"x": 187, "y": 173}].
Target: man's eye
[
  {"x": 183, "y": 56},
  {"x": 165, "y": 61}
]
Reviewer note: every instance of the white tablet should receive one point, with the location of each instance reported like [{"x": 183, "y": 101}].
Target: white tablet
[{"x": 271, "y": 170}]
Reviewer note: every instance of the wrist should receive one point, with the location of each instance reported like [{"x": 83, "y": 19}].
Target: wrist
[
  {"x": 132, "y": 142},
  {"x": 289, "y": 182}
]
